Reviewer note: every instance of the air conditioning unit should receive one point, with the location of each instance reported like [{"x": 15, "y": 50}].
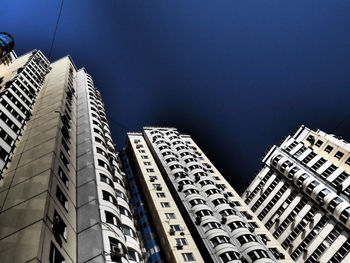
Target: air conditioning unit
[
  {"x": 179, "y": 246},
  {"x": 117, "y": 251}
]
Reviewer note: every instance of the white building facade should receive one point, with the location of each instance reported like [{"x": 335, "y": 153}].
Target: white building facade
[
  {"x": 223, "y": 227},
  {"x": 302, "y": 196}
]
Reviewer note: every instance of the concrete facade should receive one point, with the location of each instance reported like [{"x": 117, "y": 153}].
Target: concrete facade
[
  {"x": 224, "y": 229},
  {"x": 36, "y": 203},
  {"x": 175, "y": 238},
  {"x": 302, "y": 196},
  {"x": 63, "y": 197}
]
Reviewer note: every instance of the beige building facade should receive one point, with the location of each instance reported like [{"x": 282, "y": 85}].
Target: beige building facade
[{"x": 302, "y": 196}]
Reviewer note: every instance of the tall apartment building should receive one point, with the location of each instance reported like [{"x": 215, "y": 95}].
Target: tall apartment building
[
  {"x": 197, "y": 214},
  {"x": 302, "y": 193},
  {"x": 62, "y": 193}
]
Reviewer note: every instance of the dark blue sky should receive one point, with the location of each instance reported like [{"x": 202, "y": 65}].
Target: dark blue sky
[{"x": 236, "y": 75}]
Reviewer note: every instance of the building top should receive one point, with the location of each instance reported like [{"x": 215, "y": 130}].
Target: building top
[{"x": 7, "y": 43}]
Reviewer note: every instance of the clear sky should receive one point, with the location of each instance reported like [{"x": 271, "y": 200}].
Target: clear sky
[{"x": 236, "y": 75}]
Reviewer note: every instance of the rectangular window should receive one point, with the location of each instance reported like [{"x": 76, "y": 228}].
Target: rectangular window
[
  {"x": 147, "y": 163},
  {"x": 348, "y": 161},
  {"x": 61, "y": 197},
  {"x": 150, "y": 170},
  {"x": 64, "y": 160},
  {"x": 170, "y": 216},
  {"x": 141, "y": 151},
  {"x": 63, "y": 177},
  {"x": 165, "y": 204},
  {"x": 157, "y": 187},
  {"x": 3, "y": 154},
  {"x": 55, "y": 255},
  {"x": 188, "y": 257},
  {"x": 161, "y": 195},
  {"x": 58, "y": 226},
  {"x": 319, "y": 143},
  {"x": 144, "y": 157},
  {"x": 181, "y": 241},
  {"x": 328, "y": 149},
  {"x": 339, "y": 155},
  {"x": 176, "y": 227}
]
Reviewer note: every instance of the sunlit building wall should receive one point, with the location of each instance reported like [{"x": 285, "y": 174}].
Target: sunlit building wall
[
  {"x": 63, "y": 197},
  {"x": 302, "y": 193},
  {"x": 172, "y": 167}
]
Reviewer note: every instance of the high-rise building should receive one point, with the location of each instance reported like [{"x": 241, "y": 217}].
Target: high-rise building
[
  {"x": 66, "y": 195},
  {"x": 7, "y": 43},
  {"x": 302, "y": 194},
  {"x": 197, "y": 214},
  {"x": 62, "y": 193}
]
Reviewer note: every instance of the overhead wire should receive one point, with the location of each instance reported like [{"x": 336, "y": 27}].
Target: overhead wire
[{"x": 56, "y": 27}]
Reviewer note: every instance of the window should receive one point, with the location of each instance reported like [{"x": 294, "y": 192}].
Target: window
[
  {"x": 147, "y": 163},
  {"x": 246, "y": 238},
  {"x": 328, "y": 149},
  {"x": 348, "y": 161},
  {"x": 170, "y": 216},
  {"x": 211, "y": 225},
  {"x": 165, "y": 204},
  {"x": 108, "y": 197},
  {"x": 219, "y": 240},
  {"x": 128, "y": 231},
  {"x": 339, "y": 155},
  {"x": 111, "y": 218},
  {"x": 228, "y": 256},
  {"x": 157, "y": 187},
  {"x": 333, "y": 204},
  {"x": 181, "y": 241},
  {"x": 63, "y": 176},
  {"x": 176, "y": 227},
  {"x": 196, "y": 202},
  {"x": 61, "y": 197},
  {"x": 141, "y": 151},
  {"x": 150, "y": 170},
  {"x": 106, "y": 180},
  {"x": 55, "y": 255},
  {"x": 124, "y": 211},
  {"x": 236, "y": 224},
  {"x": 132, "y": 255},
  {"x": 257, "y": 254},
  {"x": 144, "y": 157},
  {"x": 319, "y": 143},
  {"x": 161, "y": 195},
  {"x": 59, "y": 228},
  {"x": 64, "y": 160},
  {"x": 6, "y": 137},
  {"x": 188, "y": 257}
]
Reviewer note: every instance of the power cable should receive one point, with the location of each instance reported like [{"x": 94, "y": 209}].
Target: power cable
[
  {"x": 54, "y": 34},
  {"x": 341, "y": 122}
]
